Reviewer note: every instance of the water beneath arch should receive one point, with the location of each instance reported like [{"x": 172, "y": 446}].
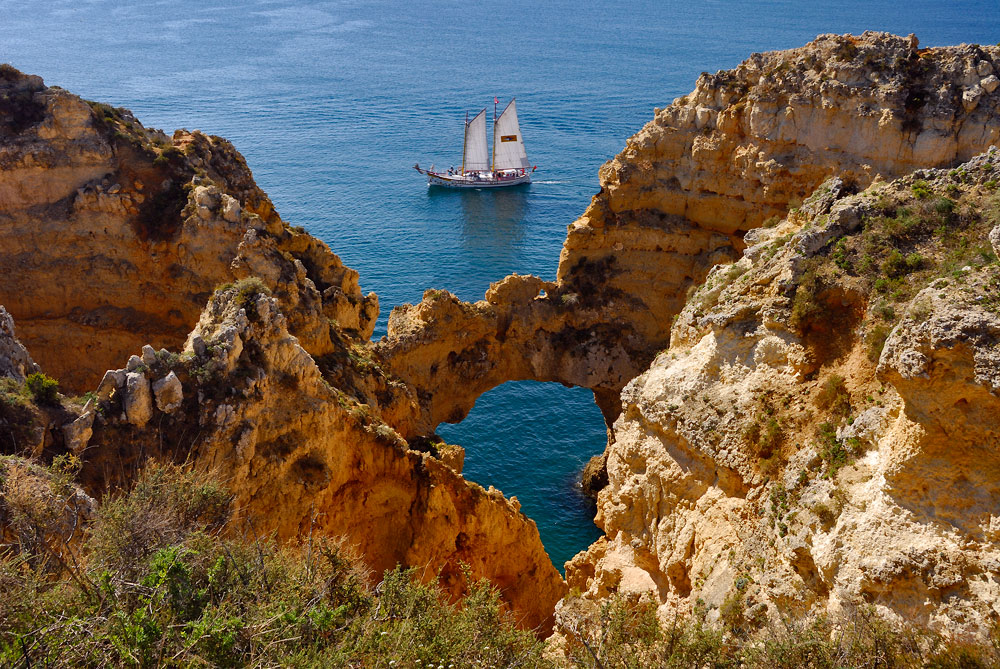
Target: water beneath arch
[{"x": 531, "y": 440}]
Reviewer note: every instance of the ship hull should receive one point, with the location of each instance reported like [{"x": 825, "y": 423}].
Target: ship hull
[{"x": 480, "y": 180}]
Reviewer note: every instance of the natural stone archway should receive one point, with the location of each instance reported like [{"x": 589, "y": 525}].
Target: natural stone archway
[
  {"x": 746, "y": 145},
  {"x": 525, "y": 329}
]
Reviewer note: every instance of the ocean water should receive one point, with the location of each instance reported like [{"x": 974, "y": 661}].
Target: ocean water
[{"x": 332, "y": 102}]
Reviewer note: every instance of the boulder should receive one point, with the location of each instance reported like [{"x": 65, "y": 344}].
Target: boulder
[
  {"x": 14, "y": 358},
  {"x": 168, "y": 392},
  {"x": 138, "y": 400},
  {"x": 77, "y": 433},
  {"x": 113, "y": 379},
  {"x": 230, "y": 208}
]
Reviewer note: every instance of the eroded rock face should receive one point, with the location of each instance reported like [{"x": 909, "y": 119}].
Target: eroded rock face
[
  {"x": 304, "y": 457},
  {"x": 742, "y": 148},
  {"x": 944, "y": 360},
  {"x": 113, "y": 236},
  {"x": 772, "y": 458}
]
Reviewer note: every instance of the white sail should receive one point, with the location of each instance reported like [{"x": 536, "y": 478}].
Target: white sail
[
  {"x": 476, "y": 157},
  {"x": 508, "y": 145}
]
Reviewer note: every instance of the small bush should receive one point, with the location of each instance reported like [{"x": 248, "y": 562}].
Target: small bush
[
  {"x": 841, "y": 256},
  {"x": 249, "y": 288},
  {"x": 827, "y": 516},
  {"x": 168, "y": 155},
  {"x": 805, "y": 305},
  {"x": 834, "y": 396},
  {"x": 44, "y": 389},
  {"x": 834, "y": 452},
  {"x": 921, "y": 189},
  {"x": 897, "y": 265},
  {"x": 944, "y": 207}
]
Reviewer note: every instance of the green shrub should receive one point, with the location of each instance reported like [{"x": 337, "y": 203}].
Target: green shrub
[
  {"x": 805, "y": 305},
  {"x": 921, "y": 189},
  {"x": 158, "y": 583},
  {"x": 944, "y": 207},
  {"x": 44, "y": 389},
  {"x": 827, "y": 516},
  {"x": 897, "y": 265},
  {"x": 841, "y": 255},
  {"x": 168, "y": 155},
  {"x": 249, "y": 288}
]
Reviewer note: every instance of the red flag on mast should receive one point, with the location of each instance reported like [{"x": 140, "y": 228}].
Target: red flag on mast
[{"x": 495, "y": 100}]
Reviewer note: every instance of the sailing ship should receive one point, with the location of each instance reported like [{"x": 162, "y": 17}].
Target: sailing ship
[{"x": 508, "y": 165}]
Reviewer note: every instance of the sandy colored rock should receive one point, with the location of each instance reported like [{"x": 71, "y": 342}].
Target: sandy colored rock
[
  {"x": 719, "y": 485},
  {"x": 169, "y": 393},
  {"x": 130, "y": 231},
  {"x": 259, "y": 412},
  {"x": 77, "y": 433},
  {"x": 138, "y": 402}
]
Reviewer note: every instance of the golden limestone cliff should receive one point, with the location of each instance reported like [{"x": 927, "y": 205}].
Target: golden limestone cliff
[
  {"x": 812, "y": 429},
  {"x": 246, "y": 401},
  {"x": 822, "y": 432},
  {"x": 740, "y": 149},
  {"x": 768, "y": 459},
  {"x": 113, "y": 235},
  {"x": 113, "y": 238}
]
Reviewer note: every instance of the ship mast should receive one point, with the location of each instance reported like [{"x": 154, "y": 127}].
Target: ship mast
[
  {"x": 465, "y": 139},
  {"x": 493, "y": 158}
]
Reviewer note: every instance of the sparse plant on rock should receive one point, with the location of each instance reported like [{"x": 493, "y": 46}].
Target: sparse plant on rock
[{"x": 44, "y": 389}]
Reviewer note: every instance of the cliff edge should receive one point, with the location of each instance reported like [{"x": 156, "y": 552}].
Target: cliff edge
[
  {"x": 741, "y": 149},
  {"x": 821, "y": 433}
]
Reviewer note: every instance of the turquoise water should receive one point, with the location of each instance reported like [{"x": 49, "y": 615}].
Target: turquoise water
[{"x": 333, "y": 102}]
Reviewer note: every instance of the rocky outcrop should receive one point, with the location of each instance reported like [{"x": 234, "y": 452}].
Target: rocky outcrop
[
  {"x": 246, "y": 401},
  {"x": 114, "y": 235},
  {"x": 745, "y": 146},
  {"x": 821, "y": 433},
  {"x": 944, "y": 361},
  {"x": 15, "y": 361}
]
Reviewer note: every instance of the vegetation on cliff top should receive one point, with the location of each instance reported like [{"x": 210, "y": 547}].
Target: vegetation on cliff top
[
  {"x": 627, "y": 633},
  {"x": 164, "y": 576}
]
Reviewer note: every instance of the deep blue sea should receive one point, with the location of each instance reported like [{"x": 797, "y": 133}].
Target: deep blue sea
[{"x": 333, "y": 102}]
